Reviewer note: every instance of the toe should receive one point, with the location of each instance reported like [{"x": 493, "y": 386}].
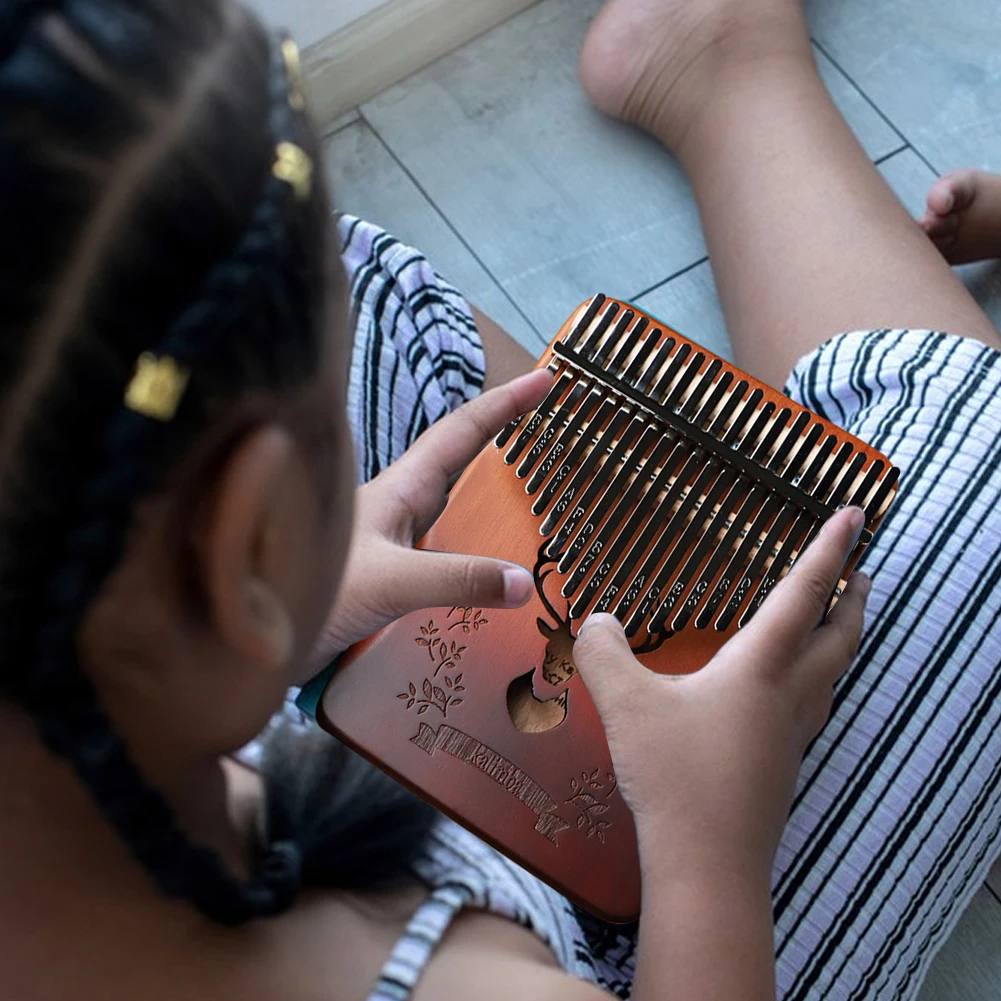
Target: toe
[{"x": 954, "y": 192}]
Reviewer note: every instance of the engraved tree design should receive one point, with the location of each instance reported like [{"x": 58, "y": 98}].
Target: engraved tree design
[
  {"x": 590, "y": 796},
  {"x": 433, "y": 697},
  {"x": 471, "y": 619}
]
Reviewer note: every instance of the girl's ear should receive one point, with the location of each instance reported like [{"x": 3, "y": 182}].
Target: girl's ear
[{"x": 242, "y": 551}]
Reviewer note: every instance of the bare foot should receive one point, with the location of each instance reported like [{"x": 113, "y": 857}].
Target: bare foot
[
  {"x": 963, "y": 218},
  {"x": 655, "y": 63}
]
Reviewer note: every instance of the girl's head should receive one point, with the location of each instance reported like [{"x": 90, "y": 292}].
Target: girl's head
[{"x": 175, "y": 477}]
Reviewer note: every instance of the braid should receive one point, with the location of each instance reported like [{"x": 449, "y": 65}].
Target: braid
[{"x": 127, "y": 464}]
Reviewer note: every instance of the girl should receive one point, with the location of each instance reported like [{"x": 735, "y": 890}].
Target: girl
[{"x": 182, "y": 540}]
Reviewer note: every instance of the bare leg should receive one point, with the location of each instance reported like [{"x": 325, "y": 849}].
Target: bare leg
[
  {"x": 506, "y": 358},
  {"x": 805, "y": 237}
]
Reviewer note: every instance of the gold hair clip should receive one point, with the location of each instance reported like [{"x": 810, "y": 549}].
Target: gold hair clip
[
  {"x": 157, "y": 387},
  {"x": 294, "y": 166},
  {"x": 293, "y": 67}
]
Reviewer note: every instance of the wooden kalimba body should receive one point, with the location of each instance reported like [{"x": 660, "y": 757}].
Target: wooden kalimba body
[{"x": 656, "y": 482}]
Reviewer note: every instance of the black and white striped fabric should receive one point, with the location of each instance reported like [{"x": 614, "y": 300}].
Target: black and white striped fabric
[
  {"x": 417, "y": 354},
  {"x": 897, "y": 816}
]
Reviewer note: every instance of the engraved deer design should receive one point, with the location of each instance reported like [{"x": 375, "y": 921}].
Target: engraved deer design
[{"x": 529, "y": 713}]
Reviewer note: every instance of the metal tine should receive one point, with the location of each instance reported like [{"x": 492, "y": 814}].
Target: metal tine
[
  {"x": 804, "y": 522},
  {"x": 646, "y": 508},
  {"x": 585, "y": 321},
  {"x": 505, "y": 436},
  {"x": 542, "y": 413},
  {"x": 636, "y": 369},
  {"x": 614, "y": 338},
  {"x": 659, "y": 360},
  {"x": 833, "y": 498},
  {"x": 676, "y": 525},
  {"x": 706, "y": 513},
  {"x": 589, "y": 346},
  {"x": 671, "y": 528},
  {"x": 769, "y": 508},
  {"x": 770, "y": 574},
  {"x": 868, "y": 483},
  {"x": 571, "y": 460},
  {"x": 736, "y": 395},
  {"x": 762, "y": 454},
  {"x": 746, "y": 411},
  {"x": 747, "y": 442},
  {"x": 566, "y": 440},
  {"x": 675, "y": 388},
  {"x": 701, "y": 551},
  {"x": 886, "y": 484},
  {"x": 604, "y": 442},
  {"x": 694, "y": 401},
  {"x": 657, "y": 522},
  {"x": 750, "y": 575},
  {"x": 599, "y": 487},
  {"x": 785, "y": 446},
  {"x": 618, "y": 361},
  {"x": 709, "y": 407},
  {"x": 720, "y": 551},
  {"x": 625, "y": 499},
  {"x": 823, "y": 491},
  {"x": 554, "y": 428},
  {"x": 821, "y": 456}
]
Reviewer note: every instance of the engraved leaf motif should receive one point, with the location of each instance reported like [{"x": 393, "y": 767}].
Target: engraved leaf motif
[
  {"x": 581, "y": 820},
  {"x": 439, "y": 694},
  {"x": 448, "y": 681},
  {"x": 427, "y": 688},
  {"x": 456, "y": 702},
  {"x": 599, "y": 808},
  {"x": 586, "y": 797},
  {"x": 423, "y": 709},
  {"x": 410, "y": 704},
  {"x": 403, "y": 695},
  {"x": 413, "y": 691},
  {"x": 460, "y": 688},
  {"x": 458, "y": 678}
]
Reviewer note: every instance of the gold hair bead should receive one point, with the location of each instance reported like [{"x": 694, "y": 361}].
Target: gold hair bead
[
  {"x": 293, "y": 67},
  {"x": 294, "y": 166},
  {"x": 157, "y": 387}
]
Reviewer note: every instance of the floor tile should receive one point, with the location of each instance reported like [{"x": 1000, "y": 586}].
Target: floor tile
[
  {"x": 367, "y": 181},
  {"x": 933, "y": 68},
  {"x": 969, "y": 966},
  {"x": 557, "y": 200},
  {"x": 690, "y": 305},
  {"x": 342, "y": 122}
]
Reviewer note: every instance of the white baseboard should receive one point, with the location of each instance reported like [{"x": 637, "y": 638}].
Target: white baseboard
[{"x": 396, "y": 39}]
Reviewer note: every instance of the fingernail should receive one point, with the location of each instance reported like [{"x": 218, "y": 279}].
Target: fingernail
[
  {"x": 857, "y": 520},
  {"x": 594, "y": 619},
  {"x": 518, "y": 584}
]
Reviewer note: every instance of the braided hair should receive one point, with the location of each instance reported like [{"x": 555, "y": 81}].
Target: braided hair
[{"x": 140, "y": 135}]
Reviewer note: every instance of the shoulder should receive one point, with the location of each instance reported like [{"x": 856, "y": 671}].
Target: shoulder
[{"x": 493, "y": 959}]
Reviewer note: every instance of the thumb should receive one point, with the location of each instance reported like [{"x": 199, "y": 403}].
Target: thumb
[
  {"x": 422, "y": 578},
  {"x": 606, "y": 663}
]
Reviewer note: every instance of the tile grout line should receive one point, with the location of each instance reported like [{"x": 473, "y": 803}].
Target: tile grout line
[
  {"x": 875, "y": 107},
  {"x": 890, "y": 156},
  {"x": 448, "y": 222},
  {"x": 670, "y": 278}
]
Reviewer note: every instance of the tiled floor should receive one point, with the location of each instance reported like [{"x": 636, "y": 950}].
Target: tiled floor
[{"x": 493, "y": 163}]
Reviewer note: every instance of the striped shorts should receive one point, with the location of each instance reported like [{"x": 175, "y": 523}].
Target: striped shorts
[{"x": 897, "y": 816}]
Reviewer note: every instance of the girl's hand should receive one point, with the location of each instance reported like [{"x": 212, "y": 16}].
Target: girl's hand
[
  {"x": 708, "y": 762},
  {"x": 385, "y": 576}
]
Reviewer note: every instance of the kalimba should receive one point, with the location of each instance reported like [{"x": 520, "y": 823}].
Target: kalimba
[{"x": 656, "y": 482}]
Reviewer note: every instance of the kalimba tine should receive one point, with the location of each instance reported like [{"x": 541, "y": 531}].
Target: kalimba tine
[{"x": 656, "y": 482}]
